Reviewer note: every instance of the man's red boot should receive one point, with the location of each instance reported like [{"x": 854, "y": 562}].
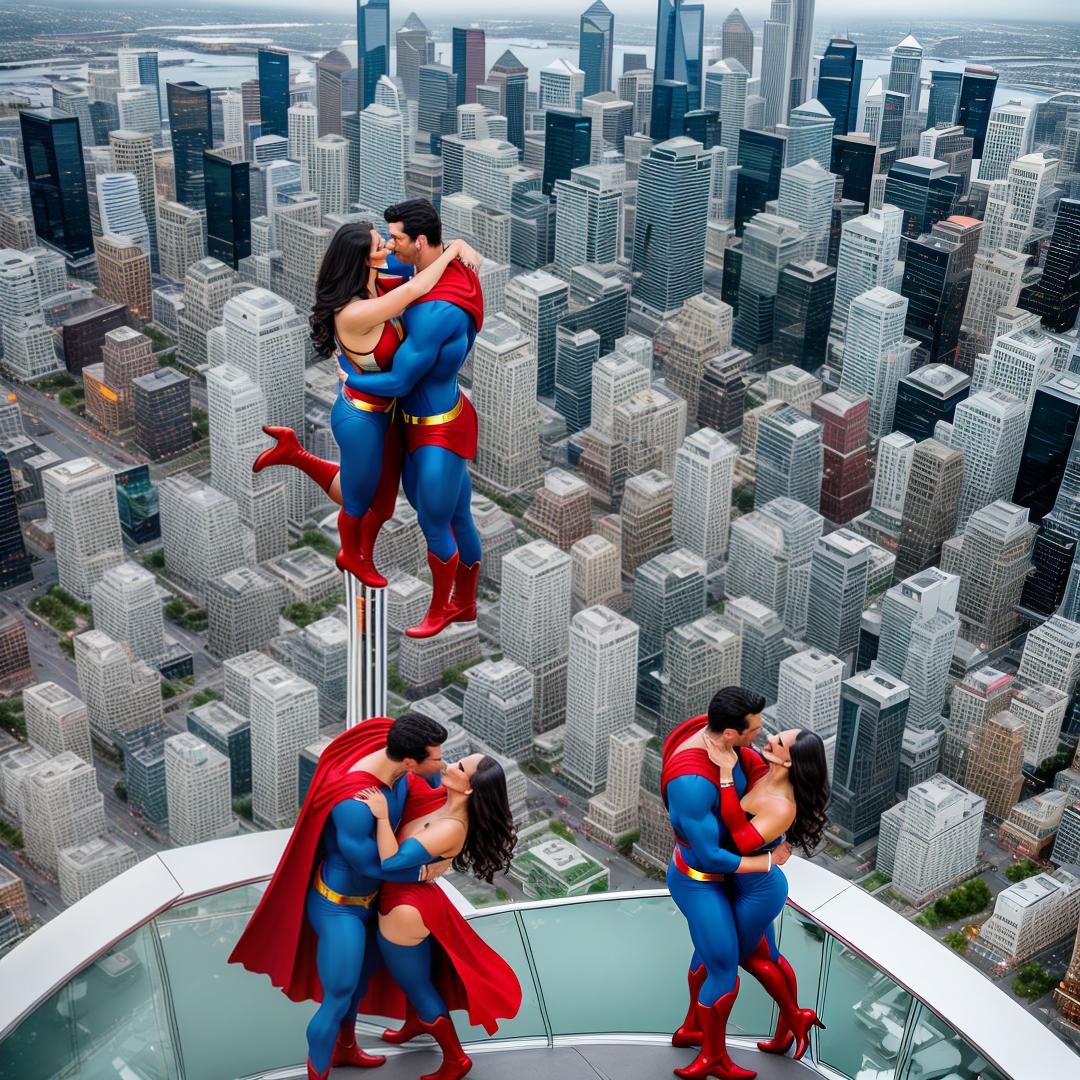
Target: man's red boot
[
  {"x": 689, "y": 1034},
  {"x": 456, "y": 1063},
  {"x": 439, "y": 614}
]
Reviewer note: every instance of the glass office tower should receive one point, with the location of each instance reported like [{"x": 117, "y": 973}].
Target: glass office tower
[
  {"x": 274, "y": 92},
  {"x": 839, "y": 76},
  {"x": 976, "y": 100},
  {"x": 567, "y": 144},
  {"x": 596, "y": 38},
  {"x": 189, "y": 119},
  {"x": 372, "y": 48},
  {"x": 228, "y": 208}
]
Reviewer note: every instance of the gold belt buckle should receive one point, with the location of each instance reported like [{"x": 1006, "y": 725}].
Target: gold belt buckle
[
  {"x": 340, "y": 898},
  {"x": 367, "y": 406},
  {"x": 439, "y": 418}
]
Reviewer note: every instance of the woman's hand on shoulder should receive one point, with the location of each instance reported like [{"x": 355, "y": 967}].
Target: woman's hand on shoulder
[
  {"x": 469, "y": 255},
  {"x": 375, "y": 800}
]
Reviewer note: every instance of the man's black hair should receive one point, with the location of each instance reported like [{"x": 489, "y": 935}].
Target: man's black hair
[
  {"x": 418, "y": 217},
  {"x": 411, "y": 735},
  {"x": 731, "y": 706}
]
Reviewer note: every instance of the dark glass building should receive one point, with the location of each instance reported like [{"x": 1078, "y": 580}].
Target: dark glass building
[
  {"x": 936, "y": 289},
  {"x": 512, "y": 78},
  {"x": 600, "y": 301},
  {"x": 437, "y": 113},
  {"x": 372, "y": 48},
  {"x": 761, "y": 159},
  {"x": 137, "y": 501},
  {"x": 925, "y": 190},
  {"x": 15, "y": 566},
  {"x": 732, "y": 275},
  {"x": 975, "y": 103},
  {"x": 839, "y": 79},
  {"x": 228, "y": 733},
  {"x": 144, "y": 770},
  {"x": 854, "y": 160},
  {"x": 228, "y": 208},
  {"x": 596, "y": 39},
  {"x": 929, "y": 394},
  {"x": 1051, "y": 427},
  {"x": 53, "y": 152},
  {"x": 804, "y": 305},
  {"x": 189, "y": 119},
  {"x": 1052, "y": 557},
  {"x": 274, "y": 92},
  {"x": 576, "y": 353},
  {"x": 723, "y": 391},
  {"x": 1055, "y": 297},
  {"x": 83, "y": 335},
  {"x": 669, "y": 108},
  {"x": 468, "y": 62},
  {"x": 944, "y": 97},
  {"x": 703, "y": 125},
  {"x": 567, "y": 143},
  {"x": 162, "y": 408},
  {"x": 680, "y": 40}
]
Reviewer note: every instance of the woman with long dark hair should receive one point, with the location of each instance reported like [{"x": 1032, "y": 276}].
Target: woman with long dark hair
[
  {"x": 357, "y": 314},
  {"x": 437, "y": 961},
  {"x": 787, "y": 803}
]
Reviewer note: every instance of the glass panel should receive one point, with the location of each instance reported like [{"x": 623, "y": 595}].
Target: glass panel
[
  {"x": 937, "y": 1050},
  {"x": 802, "y": 941},
  {"x": 108, "y": 1021},
  {"x": 865, "y": 1013},
  {"x": 620, "y": 965}
]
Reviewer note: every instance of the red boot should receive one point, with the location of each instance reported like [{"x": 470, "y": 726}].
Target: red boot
[
  {"x": 358, "y": 547},
  {"x": 346, "y": 1052},
  {"x": 313, "y": 1075},
  {"x": 409, "y": 1030},
  {"x": 288, "y": 451},
  {"x": 440, "y": 613},
  {"x": 456, "y": 1063},
  {"x": 463, "y": 601},
  {"x": 714, "y": 1060},
  {"x": 794, "y": 1023},
  {"x": 690, "y": 1032}
]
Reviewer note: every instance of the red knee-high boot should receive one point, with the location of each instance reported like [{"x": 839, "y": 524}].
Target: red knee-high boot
[
  {"x": 358, "y": 546},
  {"x": 439, "y": 613},
  {"x": 456, "y": 1063},
  {"x": 463, "y": 601},
  {"x": 288, "y": 451},
  {"x": 714, "y": 1060},
  {"x": 779, "y": 981},
  {"x": 689, "y": 1034},
  {"x": 346, "y": 1052},
  {"x": 408, "y": 1030}
]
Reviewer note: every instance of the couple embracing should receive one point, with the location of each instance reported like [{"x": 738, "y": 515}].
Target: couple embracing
[{"x": 352, "y": 918}]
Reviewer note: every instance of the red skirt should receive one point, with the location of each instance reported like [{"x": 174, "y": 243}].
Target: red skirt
[
  {"x": 458, "y": 435},
  {"x": 469, "y": 974}
]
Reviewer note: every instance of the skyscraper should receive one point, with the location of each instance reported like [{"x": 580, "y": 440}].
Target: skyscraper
[
  {"x": 763, "y": 647},
  {"x": 935, "y": 286},
  {"x": 122, "y": 693},
  {"x": 1055, "y": 297},
  {"x": 127, "y": 607},
  {"x": 702, "y": 495},
  {"x": 679, "y": 45},
  {"x": 537, "y": 302},
  {"x": 1047, "y": 457},
  {"x": 845, "y": 480},
  {"x": 197, "y": 782},
  {"x": 119, "y": 208},
  {"x": 228, "y": 208},
  {"x": 777, "y": 62},
  {"x": 975, "y": 103},
  {"x": 930, "y": 506},
  {"x": 181, "y": 238},
  {"x": 575, "y": 355},
  {"x": 274, "y": 91},
  {"x": 588, "y": 226},
  {"x": 414, "y": 47},
  {"x": 669, "y": 590},
  {"x": 53, "y": 151},
  {"x": 925, "y": 396},
  {"x": 905, "y": 69},
  {"x": 924, "y": 189},
  {"x": 838, "y": 86},
  {"x": 372, "y": 47},
  {"x": 567, "y": 145},
  {"x": 737, "y": 40},
  {"x": 63, "y": 808},
  {"x": 839, "y": 569},
  {"x": 1008, "y": 136},
  {"x": 242, "y": 608},
  {"x": 869, "y": 250},
  {"x": 191, "y": 127},
  {"x": 498, "y": 706},
  {"x": 15, "y": 568},
  {"x": 789, "y": 458},
  {"x": 944, "y": 97},
  {"x": 760, "y": 160},
  {"x": 994, "y": 763},
  {"x": 725, "y": 92},
  {"x": 467, "y": 61},
  {"x": 873, "y": 712},
  {"x": 511, "y": 78},
  {"x": 161, "y": 404},
  {"x": 698, "y": 657},
  {"x": 133, "y": 152},
  {"x": 329, "y": 71},
  {"x": 382, "y": 156},
  {"x": 596, "y": 39}
]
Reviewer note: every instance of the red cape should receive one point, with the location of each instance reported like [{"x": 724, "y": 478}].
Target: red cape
[
  {"x": 278, "y": 940},
  {"x": 469, "y": 974},
  {"x": 695, "y": 762},
  {"x": 461, "y": 286}
]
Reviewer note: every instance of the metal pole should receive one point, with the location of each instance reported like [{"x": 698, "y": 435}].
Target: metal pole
[{"x": 367, "y": 651}]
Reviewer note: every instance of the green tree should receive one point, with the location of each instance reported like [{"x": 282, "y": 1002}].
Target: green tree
[
  {"x": 625, "y": 844},
  {"x": 1020, "y": 871},
  {"x": 243, "y": 807},
  {"x": 957, "y": 940},
  {"x": 176, "y": 609},
  {"x": 120, "y": 790},
  {"x": 302, "y": 613},
  {"x": 561, "y": 829}
]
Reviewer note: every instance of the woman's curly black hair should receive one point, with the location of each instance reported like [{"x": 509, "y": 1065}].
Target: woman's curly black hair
[
  {"x": 810, "y": 782},
  {"x": 343, "y": 277},
  {"x": 489, "y": 844}
]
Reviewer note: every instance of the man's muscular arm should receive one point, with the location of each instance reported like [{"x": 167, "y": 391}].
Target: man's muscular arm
[
  {"x": 692, "y": 805},
  {"x": 431, "y": 326},
  {"x": 357, "y": 841}
]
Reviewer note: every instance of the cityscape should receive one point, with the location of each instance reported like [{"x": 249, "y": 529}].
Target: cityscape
[{"x": 778, "y": 385}]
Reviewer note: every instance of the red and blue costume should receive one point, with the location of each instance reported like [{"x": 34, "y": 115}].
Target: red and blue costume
[
  {"x": 313, "y": 932},
  {"x": 440, "y": 432}
]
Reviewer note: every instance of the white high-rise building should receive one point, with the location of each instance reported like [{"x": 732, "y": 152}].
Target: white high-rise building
[
  {"x": 652, "y": 419},
  {"x": 867, "y": 258},
  {"x": 757, "y": 563},
  {"x": 919, "y": 626},
  {"x": 534, "y": 617},
  {"x": 128, "y": 608},
  {"x": 1008, "y": 136},
  {"x": 597, "y": 577},
  {"x": 242, "y": 608},
  {"x": 389, "y": 92},
  {"x": 1052, "y": 655},
  {"x": 86, "y": 867},
  {"x": 1013, "y": 205},
  {"x": 28, "y": 345},
  {"x": 56, "y": 720},
  {"x": 701, "y": 512},
  {"x": 498, "y": 706},
  {"x": 137, "y": 108},
  {"x": 996, "y": 280},
  {"x": 615, "y": 378},
  {"x": 725, "y": 91},
  {"x": 303, "y": 120},
  {"x": 504, "y": 395},
  {"x": 777, "y": 56},
  {"x": 877, "y": 354},
  {"x": 237, "y": 411},
  {"x": 121, "y": 692},
  {"x": 698, "y": 657},
  {"x": 893, "y": 467},
  {"x": 1031, "y": 915},
  {"x": 1042, "y": 708},
  {"x": 198, "y": 791},
  {"x": 808, "y": 694},
  {"x": 839, "y": 570},
  {"x": 80, "y": 499},
  {"x": 807, "y": 193},
  {"x": 201, "y": 531},
  {"x": 62, "y": 808},
  {"x": 382, "y": 156},
  {"x": 239, "y": 674},
  {"x": 988, "y": 428},
  {"x": 120, "y": 207},
  {"x": 1019, "y": 363},
  {"x": 589, "y": 222},
  {"x": 614, "y": 812},
  {"x": 330, "y": 173},
  {"x": 181, "y": 238},
  {"x": 489, "y": 167},
  {"x": 562, "y": 86},
  {"x": 268, "y": 148},
  {"x": 600, "y": 691},
  {"x": 937, "y": 837},
  {"x": 133, "y": 152},
  {"x": 284, "y": 719},
  {"x": 232, "y": 118}
]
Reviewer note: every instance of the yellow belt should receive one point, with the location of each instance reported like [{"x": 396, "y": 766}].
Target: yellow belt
[
  {"x": 697, "y": 875},
  {"x": 368, "y": 406},
  {"x": 439, "y": 418},
  {"x": 340, "y": 898}
]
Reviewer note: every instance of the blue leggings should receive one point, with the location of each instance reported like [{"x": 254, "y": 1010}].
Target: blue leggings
[
  {"x": 346, "y": 959},
  {"x": 437, "y": 483},
  {"x": 756, "y": 901},
  {"x": 361, "y": 436},
  {"x": 410, "y": 966},
  {"x": 707, "y": 909}
]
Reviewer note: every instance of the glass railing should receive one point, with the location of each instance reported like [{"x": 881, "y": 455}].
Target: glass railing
[{"x": 164, "y": 1004}]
